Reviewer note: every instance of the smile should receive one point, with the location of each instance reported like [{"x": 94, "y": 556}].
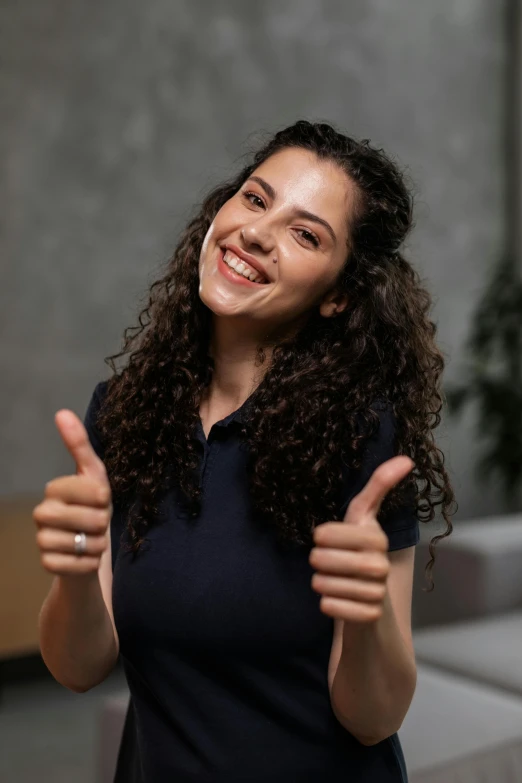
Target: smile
[{"x": 242, "y": 268}]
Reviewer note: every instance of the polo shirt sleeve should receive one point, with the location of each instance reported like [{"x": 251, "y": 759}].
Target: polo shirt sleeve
[
  {"x": 89, "y": 421},
  {"x": 400, "y": 525}
]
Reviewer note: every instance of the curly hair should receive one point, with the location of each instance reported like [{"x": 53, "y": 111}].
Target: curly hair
[{"x": 319, "y": 387}]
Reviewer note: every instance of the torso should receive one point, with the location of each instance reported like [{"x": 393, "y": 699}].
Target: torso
[{"x": 223, "y": 640}]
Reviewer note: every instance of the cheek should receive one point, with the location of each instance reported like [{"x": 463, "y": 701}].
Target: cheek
[
  {"x": 306, "y": 279},
  {"x": 221, "y": 227},
  {"x": 204, "y": 246},
  {"x": 304, "y": 272},
  {"x": 228, "y": 216}
]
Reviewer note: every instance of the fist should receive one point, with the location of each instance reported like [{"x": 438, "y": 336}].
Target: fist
[
  {"x": 350, "y": 558},
  {"x": 74, "y": 504}
]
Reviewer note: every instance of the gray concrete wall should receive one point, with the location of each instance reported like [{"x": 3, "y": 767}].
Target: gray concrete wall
[{"x": 116, "y": 116}]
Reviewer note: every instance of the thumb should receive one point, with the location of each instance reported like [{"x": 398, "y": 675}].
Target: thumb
[
  {"x": 364, "y": 507},
  {"x": 77, "y": 442}
]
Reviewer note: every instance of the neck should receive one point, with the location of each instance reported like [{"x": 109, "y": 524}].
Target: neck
[{"x": 235, "y": 374}]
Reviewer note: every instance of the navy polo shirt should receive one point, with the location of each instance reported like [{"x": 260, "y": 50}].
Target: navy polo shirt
[{"x": 223, "y": 644}]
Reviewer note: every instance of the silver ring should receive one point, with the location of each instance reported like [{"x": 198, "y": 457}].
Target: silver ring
[{"x": 80, "y": 543}]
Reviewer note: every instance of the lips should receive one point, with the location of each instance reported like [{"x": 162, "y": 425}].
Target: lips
[
  {"x": 248, "y": 259},
  {"x": 234, "y": 276}
]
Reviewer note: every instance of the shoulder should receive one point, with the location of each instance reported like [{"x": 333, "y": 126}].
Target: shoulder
[
  {"x": 95, "y": 403},
  {"x": 91, "y": 416},
  {"x": 381, "y": 445},
  {"x": 400, "y": 523}
]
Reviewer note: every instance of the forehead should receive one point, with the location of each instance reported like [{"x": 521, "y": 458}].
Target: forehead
[{"x": 303, "y": 180}]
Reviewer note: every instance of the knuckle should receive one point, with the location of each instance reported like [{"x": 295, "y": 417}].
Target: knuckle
[
  {"x": 45, "y": 512},
  {"x": 52, "y": 488},
  {"x": 101, "y": 520},
  {"x": 87, "y": 564},
  {"x": 99, "y": 545},
  {"x": 47, "y": 561},
  {"x": 382, "y": 569},
  {"x": 316, "y": 580},
  {"x": 39, "y": 512},
  {"x": 312, "y": 557},
  {"x": 103, "y": 494},
  {"x": 379, "y": 591},
  {"x": 48, "y": 513},
  {"x": 381, "y": 541},
  {"x": 42, "y": 538},
  {"x": 374, "y": 613},
  {"x": 377, "y": 567}
]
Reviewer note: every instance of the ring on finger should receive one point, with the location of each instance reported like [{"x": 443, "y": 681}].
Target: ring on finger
[{"x": 80, "y": 544}]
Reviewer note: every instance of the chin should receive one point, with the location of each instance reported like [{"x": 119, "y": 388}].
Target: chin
[{"x": 217, "y": 304}]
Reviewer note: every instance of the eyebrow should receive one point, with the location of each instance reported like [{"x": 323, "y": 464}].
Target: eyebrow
[{"x": 303, "y": 213}]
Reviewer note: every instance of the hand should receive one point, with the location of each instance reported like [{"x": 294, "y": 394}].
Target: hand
[
  {"x": 74, "y": 504},
  {"x": 350, "y": 557}
]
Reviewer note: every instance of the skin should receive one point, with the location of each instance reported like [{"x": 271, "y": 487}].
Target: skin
[{"x": 303, "y": 277}]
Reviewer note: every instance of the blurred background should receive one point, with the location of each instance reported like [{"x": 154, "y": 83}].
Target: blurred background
[{"x": 115, "y": 120}]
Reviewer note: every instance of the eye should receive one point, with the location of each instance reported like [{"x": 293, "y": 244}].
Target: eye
[
  {"x": 249, "y": 195},
  {"x": 308, "y": 237}
]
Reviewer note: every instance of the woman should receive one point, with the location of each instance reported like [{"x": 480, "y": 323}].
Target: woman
[{"x": 257, "y": 578}]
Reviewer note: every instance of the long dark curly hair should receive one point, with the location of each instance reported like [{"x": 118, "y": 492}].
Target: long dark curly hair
[{"x": 308, "y": 420}]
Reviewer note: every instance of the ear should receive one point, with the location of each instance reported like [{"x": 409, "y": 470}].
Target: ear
[{"x": 333, "y": 304}]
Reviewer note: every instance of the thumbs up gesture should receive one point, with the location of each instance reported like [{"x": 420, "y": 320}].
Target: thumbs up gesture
[
  {"x": 74, "y": 504},
  {"x": 350, "y": 557}
]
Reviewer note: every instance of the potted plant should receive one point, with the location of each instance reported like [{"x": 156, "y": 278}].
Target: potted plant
[{"x": 493, "y": 379}]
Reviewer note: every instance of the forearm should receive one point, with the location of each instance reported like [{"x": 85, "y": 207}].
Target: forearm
[
  {"x": 375, "y": 679},
  {"x": 77, "y": 638}
]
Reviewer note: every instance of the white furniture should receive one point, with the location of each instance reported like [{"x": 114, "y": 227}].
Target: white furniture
[
  {"x": 488, "y": 650},
  {"x": 458, "y": 731},
  {"x": 478, "y": 571}
]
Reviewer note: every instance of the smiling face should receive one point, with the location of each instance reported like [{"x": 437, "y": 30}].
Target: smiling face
[{"x": 294, "y": 208}]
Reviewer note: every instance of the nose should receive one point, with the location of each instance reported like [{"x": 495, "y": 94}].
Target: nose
[{"x": 258, "y": 235}]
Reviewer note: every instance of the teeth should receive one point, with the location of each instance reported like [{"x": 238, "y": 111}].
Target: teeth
[{"x": 241, "y": 267}]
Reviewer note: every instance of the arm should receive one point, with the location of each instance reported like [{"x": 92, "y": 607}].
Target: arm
[
  {"x": 372, "y": 668},
  {"x": 78, "y": 640}
]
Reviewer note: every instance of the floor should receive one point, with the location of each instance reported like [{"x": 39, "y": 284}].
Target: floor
[{"x": 48, "y": 734}]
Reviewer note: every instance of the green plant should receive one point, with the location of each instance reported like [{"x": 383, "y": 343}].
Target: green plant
[{"x": 493, "y": 378}]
